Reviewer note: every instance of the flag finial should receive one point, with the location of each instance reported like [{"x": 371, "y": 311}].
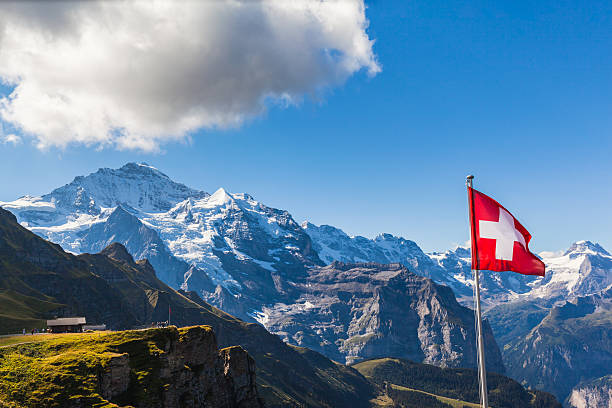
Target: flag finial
[{"x": 468, "y": 180}]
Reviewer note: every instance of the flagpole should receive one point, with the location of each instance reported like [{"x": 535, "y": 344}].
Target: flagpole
[{"x": 482, "y": 374}]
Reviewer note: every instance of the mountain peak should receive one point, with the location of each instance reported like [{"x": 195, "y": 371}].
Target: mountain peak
[
  {"x": 118, "y": 252},
  {"x": 137, "y": 185},
  {"x": 220, "y": 197},
  {"x": 142, "y": 167},
  {"x": 586, "y": 247}
]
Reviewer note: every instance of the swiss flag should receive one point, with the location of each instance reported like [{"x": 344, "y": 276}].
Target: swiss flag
[{"x": 499, "y": 241}]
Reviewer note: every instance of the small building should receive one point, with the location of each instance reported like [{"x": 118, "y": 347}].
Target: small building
[{"x": 66, "y": 325}]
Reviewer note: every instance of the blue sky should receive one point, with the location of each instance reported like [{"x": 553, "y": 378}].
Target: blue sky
[{"x": 517, "y": 93}]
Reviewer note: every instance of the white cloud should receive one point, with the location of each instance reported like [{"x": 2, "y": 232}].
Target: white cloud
[
  {"x": 137, "y": 74},
  {"x": 9, "y": 138}
]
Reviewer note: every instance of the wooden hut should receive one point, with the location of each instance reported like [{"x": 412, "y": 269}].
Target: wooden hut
[{"x": 66, "y": 325}]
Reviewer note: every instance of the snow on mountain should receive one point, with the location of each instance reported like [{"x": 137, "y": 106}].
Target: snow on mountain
[
  {"x": 87, "y": 200},
  {"x": 333, "y": 244},
  {"x": 205, "y": 232},
  {"x": 451, "y": 268},
  {"x": 198, "y": 241},
  {"x": 495, "y": 287},
  {"x": 136, "y": 185},
  {"x": 584, "y": 269},
  {"x": 195, "y": 241}
]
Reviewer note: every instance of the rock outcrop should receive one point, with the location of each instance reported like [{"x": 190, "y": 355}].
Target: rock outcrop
[
  {"x": 195, "y": 373},
  {"x": 352, "y": 312}
]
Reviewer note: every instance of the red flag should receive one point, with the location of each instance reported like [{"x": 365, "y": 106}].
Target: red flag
[{"x": 499, "y": 241}]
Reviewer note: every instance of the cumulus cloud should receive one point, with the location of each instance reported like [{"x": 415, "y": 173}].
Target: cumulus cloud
[{"x": 134, "y": 75}]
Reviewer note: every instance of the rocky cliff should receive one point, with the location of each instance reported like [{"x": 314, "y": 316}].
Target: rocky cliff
[
  {"x": 152, "y": 368},
  {"x": 352, "y": 312}
]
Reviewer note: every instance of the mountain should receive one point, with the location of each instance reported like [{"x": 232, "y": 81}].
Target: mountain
[
  {"x": 194, "y": 240},
  {"x": 403, "y": 379},
  {"x": 351, "y": 312},
  {"x": 197, "y": 241},
  {"x": 585, "y": 268},
  {"x": 572, "y": 344},
  {"x": 136, "y": 185},
  {"x": 556, "y": 336},
  {"x": 256, "y": 262},
  {"x": 38, "y": 280},
  {"x": 333, "y": 244},
  {"x": 451, "y": 268}
]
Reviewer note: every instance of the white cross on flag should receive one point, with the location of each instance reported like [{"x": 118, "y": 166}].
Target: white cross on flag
[{"x": 499, "y": 241}]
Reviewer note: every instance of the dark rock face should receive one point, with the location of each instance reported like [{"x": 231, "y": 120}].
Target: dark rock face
[
  {"x": 154, "y": 368},
  {"x": 352, "y": 312},
  {"x": 572, "y": 344},
  {"x": 115, "y": 379},
  {"x": 239, "y": 370},
  {"x": 199, "y": 375}
]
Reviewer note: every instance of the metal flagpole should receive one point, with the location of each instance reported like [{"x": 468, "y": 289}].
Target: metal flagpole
[{"x": 482, "y": 374}]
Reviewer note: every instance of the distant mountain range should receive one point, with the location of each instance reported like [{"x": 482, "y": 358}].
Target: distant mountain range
[
  {"x": 259, "y": 264},
  {"x": 39, "y": 280},
  {"x": 199, "y": 241}
]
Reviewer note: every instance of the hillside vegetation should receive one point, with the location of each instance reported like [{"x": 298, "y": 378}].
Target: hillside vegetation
[{"x": 454, "y": 383}]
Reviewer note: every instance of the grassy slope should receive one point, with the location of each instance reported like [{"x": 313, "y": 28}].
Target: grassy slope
[
  {"x": 458, "y": 384},
  {"x": 123, "y": 294},
  {"x": 55, "y": 370}
]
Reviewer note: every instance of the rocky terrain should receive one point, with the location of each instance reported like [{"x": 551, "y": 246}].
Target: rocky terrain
[
  {"x": 152, "y": 368},
  {"x": 572, "y": 344},
  {"x": 352, "y": 312},
  {"x": 451, "y": 268},
  {"x": 257, "y": 263},
  {"x": 593, "y": 393}
]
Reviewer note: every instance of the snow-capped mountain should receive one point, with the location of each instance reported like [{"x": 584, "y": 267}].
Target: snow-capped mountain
[
  {"x": 195, "y": 240},
  {"x": 333, "y": 244},
  {"x": 451, "y": 268},
  {"x": 198, "y": 241},
  {"x": 584, "y": 269}
]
